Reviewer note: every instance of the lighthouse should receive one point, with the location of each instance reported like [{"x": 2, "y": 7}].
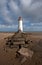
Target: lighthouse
[{"x": 20, "y": 24}]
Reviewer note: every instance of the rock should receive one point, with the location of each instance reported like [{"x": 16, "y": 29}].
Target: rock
[
  {"x": 23, "y": 60},
  {"x": 26, "y": 52}
]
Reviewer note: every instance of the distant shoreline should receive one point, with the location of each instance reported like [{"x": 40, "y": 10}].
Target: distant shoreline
[{"x": 23, "y": 31}]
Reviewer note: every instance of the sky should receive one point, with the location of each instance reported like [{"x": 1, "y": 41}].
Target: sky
[{"x": 30, "y": 10}]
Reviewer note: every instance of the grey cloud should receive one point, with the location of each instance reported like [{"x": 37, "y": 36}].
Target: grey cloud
[{"x": 30, "y": 10}]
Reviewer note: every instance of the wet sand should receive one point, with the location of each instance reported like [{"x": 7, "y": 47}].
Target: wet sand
[{"x": 7, "y": 55}]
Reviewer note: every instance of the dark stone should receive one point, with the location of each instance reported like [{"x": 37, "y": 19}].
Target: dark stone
[
  {"x": 19, "y": 46},
  {"x": 17, "y": 54},
  {"x": 11, "y": 43},
  {"x": 26, "y": 42},
  {"x": 6, "y": 43}
]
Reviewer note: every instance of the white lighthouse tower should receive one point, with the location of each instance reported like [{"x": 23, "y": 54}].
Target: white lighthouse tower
[{"x": 20, "y": 24}]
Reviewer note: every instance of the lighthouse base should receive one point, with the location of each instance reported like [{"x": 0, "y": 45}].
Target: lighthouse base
[{"x": 20, "y": 31}]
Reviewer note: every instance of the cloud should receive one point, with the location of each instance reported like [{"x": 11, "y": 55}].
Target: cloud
[
  {"x": 14, "y": 7},
  {"x": 5, "y": 12},
  {"x": 32, "y": 28},
  {"x": 8, "y": 26},
  {"x": 36, "y": 24},
  {"x": 30, "y": 10},
  {"x": 8, "y": 10}
]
